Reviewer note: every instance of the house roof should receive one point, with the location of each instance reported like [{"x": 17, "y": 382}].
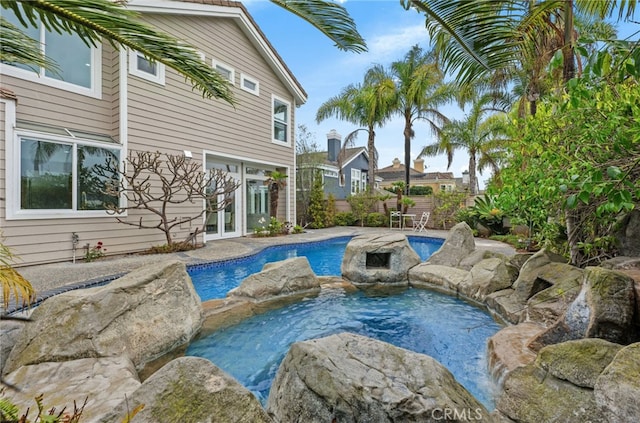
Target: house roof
[
  {"x": 391, "y": 173},
  {"x": 238, "y": 12},
  {"x": 350, "y": 154}
]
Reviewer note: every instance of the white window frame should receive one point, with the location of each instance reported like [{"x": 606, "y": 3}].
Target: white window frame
[
  {"x": 363, "y": 181},
  {"x": 356, "y": 174},
  {"x": 243, "y": 78},
  {"x": 232, "y": 73},
  {"x": 13, "y": 210},
  {"x": 40, "y": 77},
  {"x": 158, "y": 78},
  {"x": 275, "y": 98}
]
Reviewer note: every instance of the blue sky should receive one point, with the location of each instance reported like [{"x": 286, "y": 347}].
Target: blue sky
[{"x": 323, "y": 70}]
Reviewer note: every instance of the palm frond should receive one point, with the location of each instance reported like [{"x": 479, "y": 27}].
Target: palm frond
[
  {"x": 331, "y": 19},
  {"x": 16, "y": 286},
  {"x": 18, "y": 47},
  {"x": 472, "y": 37}
]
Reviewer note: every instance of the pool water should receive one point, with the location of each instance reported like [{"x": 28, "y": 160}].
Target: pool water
[
  {"x": 214, "y": 280},
  {"x": 446, "y": 328}
]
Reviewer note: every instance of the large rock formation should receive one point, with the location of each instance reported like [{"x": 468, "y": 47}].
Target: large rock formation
[
  {"x": 190, "y": 389},
  {"x": 103, "y": 382},
  {"x": 546, "y": 391},
  {"x": 604, "y": 308},
  {"x": 628, "y": 236},
  {"x": 486, "y": 277},
  {"x": 378, "y": 259},
  {"x": 458, "y": 246},
  {"x": 617, "y": 389},
  {"x": 142, "y": 315},
  {"x": 286, "y": 277},
  {"x": 351, "y": 378},
  {"x": 528, "y": 284},
  {"x": 437, "y": 277}
]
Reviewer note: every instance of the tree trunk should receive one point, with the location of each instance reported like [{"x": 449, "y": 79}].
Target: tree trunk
[
  {"x": 371, "y": 148},
  {"x": 407, "y": 153},
  {"x": 568, "y": 54},
  {"x": 473, "y": 179}
]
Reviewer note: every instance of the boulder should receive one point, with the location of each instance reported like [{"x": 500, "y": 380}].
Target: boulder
[
  {"x": 628, "y": 236},
  {"x": 190, "y": 389},
  {"x": 506, "y": 304},
  {"x": 528, "y": 284},
  {"x": 579, "y": 362},
  {"x": 477, "y": 256},
  {"x": 532, "y": 394},
  {"x": 518, "y": 260},
  {"x": 604, "y": 308},
  {"x": 507, "y": 349},
  {"x": 458, "y": 245},
  {"x": 378, "y": 259},
  {"x": 617, "y": 389},
  {"x": 104, "y": 382},
  {"x": 9, "y": 333},
  {"x": 286, "y": 277},
  {"x": 486, "y": 277},
  {"x": 142, "y": 315},
  {"x": 547, "y": 306},
  {"x": 435, "y": 276},
  {"x": 350, "y": 378}
]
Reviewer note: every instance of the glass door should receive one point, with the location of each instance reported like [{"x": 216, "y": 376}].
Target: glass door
[{"x": 224, "y": 222}]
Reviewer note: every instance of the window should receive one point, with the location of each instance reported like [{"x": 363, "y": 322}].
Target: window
[
  {"x": 280, "y": 121},
  {"x": 79, "y": 65},
  {"x": 249, "y": 84},
  {"x": 446, "y": 188},
  {"x": 62, "y": 176},
  {"x": 363, "y": 182},
  {"x": 355, "y": 181},
  {"x": 225, "y": 71},
  {"x": 145, "y": 68}
]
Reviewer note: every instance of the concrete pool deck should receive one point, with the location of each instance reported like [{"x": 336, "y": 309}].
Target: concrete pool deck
[{"x": 48, "y": 279}]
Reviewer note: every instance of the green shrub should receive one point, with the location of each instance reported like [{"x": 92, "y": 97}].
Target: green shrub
[
  {"x": 418, "y": 190},
  {"x": 375, "y": 219},
  {"x": 345, "y": 219}
]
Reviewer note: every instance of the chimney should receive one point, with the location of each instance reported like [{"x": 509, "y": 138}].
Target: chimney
[
  {"x": 465, "y": 177},
  {"x": 396, "y": 163},
  {"x": 334, "y": 140},
  {"x": 418, "y": 164}
]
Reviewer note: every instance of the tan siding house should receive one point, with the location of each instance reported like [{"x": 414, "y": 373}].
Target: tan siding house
[{"x": 53, "y": 130}]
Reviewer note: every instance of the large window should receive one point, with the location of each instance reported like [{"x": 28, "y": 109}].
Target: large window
[
  {"x": 64, "y": 175},
  {"x": 146, "y": 69},
  {"x": 355, "y": 181},
  {"x": 281, "y": 120},
  {"x": 79, "y": 65}
]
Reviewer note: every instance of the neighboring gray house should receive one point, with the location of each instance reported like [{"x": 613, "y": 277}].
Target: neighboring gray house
[
  {"x": 342, "y": 175},
  {"x": 111, "y": 102}
]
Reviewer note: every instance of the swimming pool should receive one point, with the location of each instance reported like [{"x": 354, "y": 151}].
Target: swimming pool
[
  {"x": 214, "y": 280},
  {"x": 446, "y": 328}
]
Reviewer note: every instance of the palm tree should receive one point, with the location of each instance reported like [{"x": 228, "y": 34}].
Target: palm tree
[
  {"x": 477, "y": 134},
  {"x": 367, "y": 105},
  {"x": 479, "y": 37},
  {"x": 419, "y": 91},
  {"x": 94, "y": 20}
]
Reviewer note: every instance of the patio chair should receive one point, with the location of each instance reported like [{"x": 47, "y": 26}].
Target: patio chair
[
  {"x": 421, "y": 225},
  {"x": 395, "y": 217}
]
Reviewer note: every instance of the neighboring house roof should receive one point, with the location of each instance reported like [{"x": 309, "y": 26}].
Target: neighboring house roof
[
  {"x": 350, "y": 155},
  {"x": 238, "y": 12},
  {"x": 397, "y": 173}
]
